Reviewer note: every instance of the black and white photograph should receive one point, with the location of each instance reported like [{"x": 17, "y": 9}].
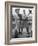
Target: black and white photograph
[{"x": 21, "y": 22}]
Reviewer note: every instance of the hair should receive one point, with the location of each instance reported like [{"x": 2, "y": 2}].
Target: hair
[{"x": 16, "y": 9}]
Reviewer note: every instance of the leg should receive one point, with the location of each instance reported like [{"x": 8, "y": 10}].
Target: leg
[
  {"x": 21, "y": 30},
  {"x": 27, "y": 30}
]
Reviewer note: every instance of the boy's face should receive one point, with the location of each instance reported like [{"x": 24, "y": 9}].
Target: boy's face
[{"x": 17, "y": 11}]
